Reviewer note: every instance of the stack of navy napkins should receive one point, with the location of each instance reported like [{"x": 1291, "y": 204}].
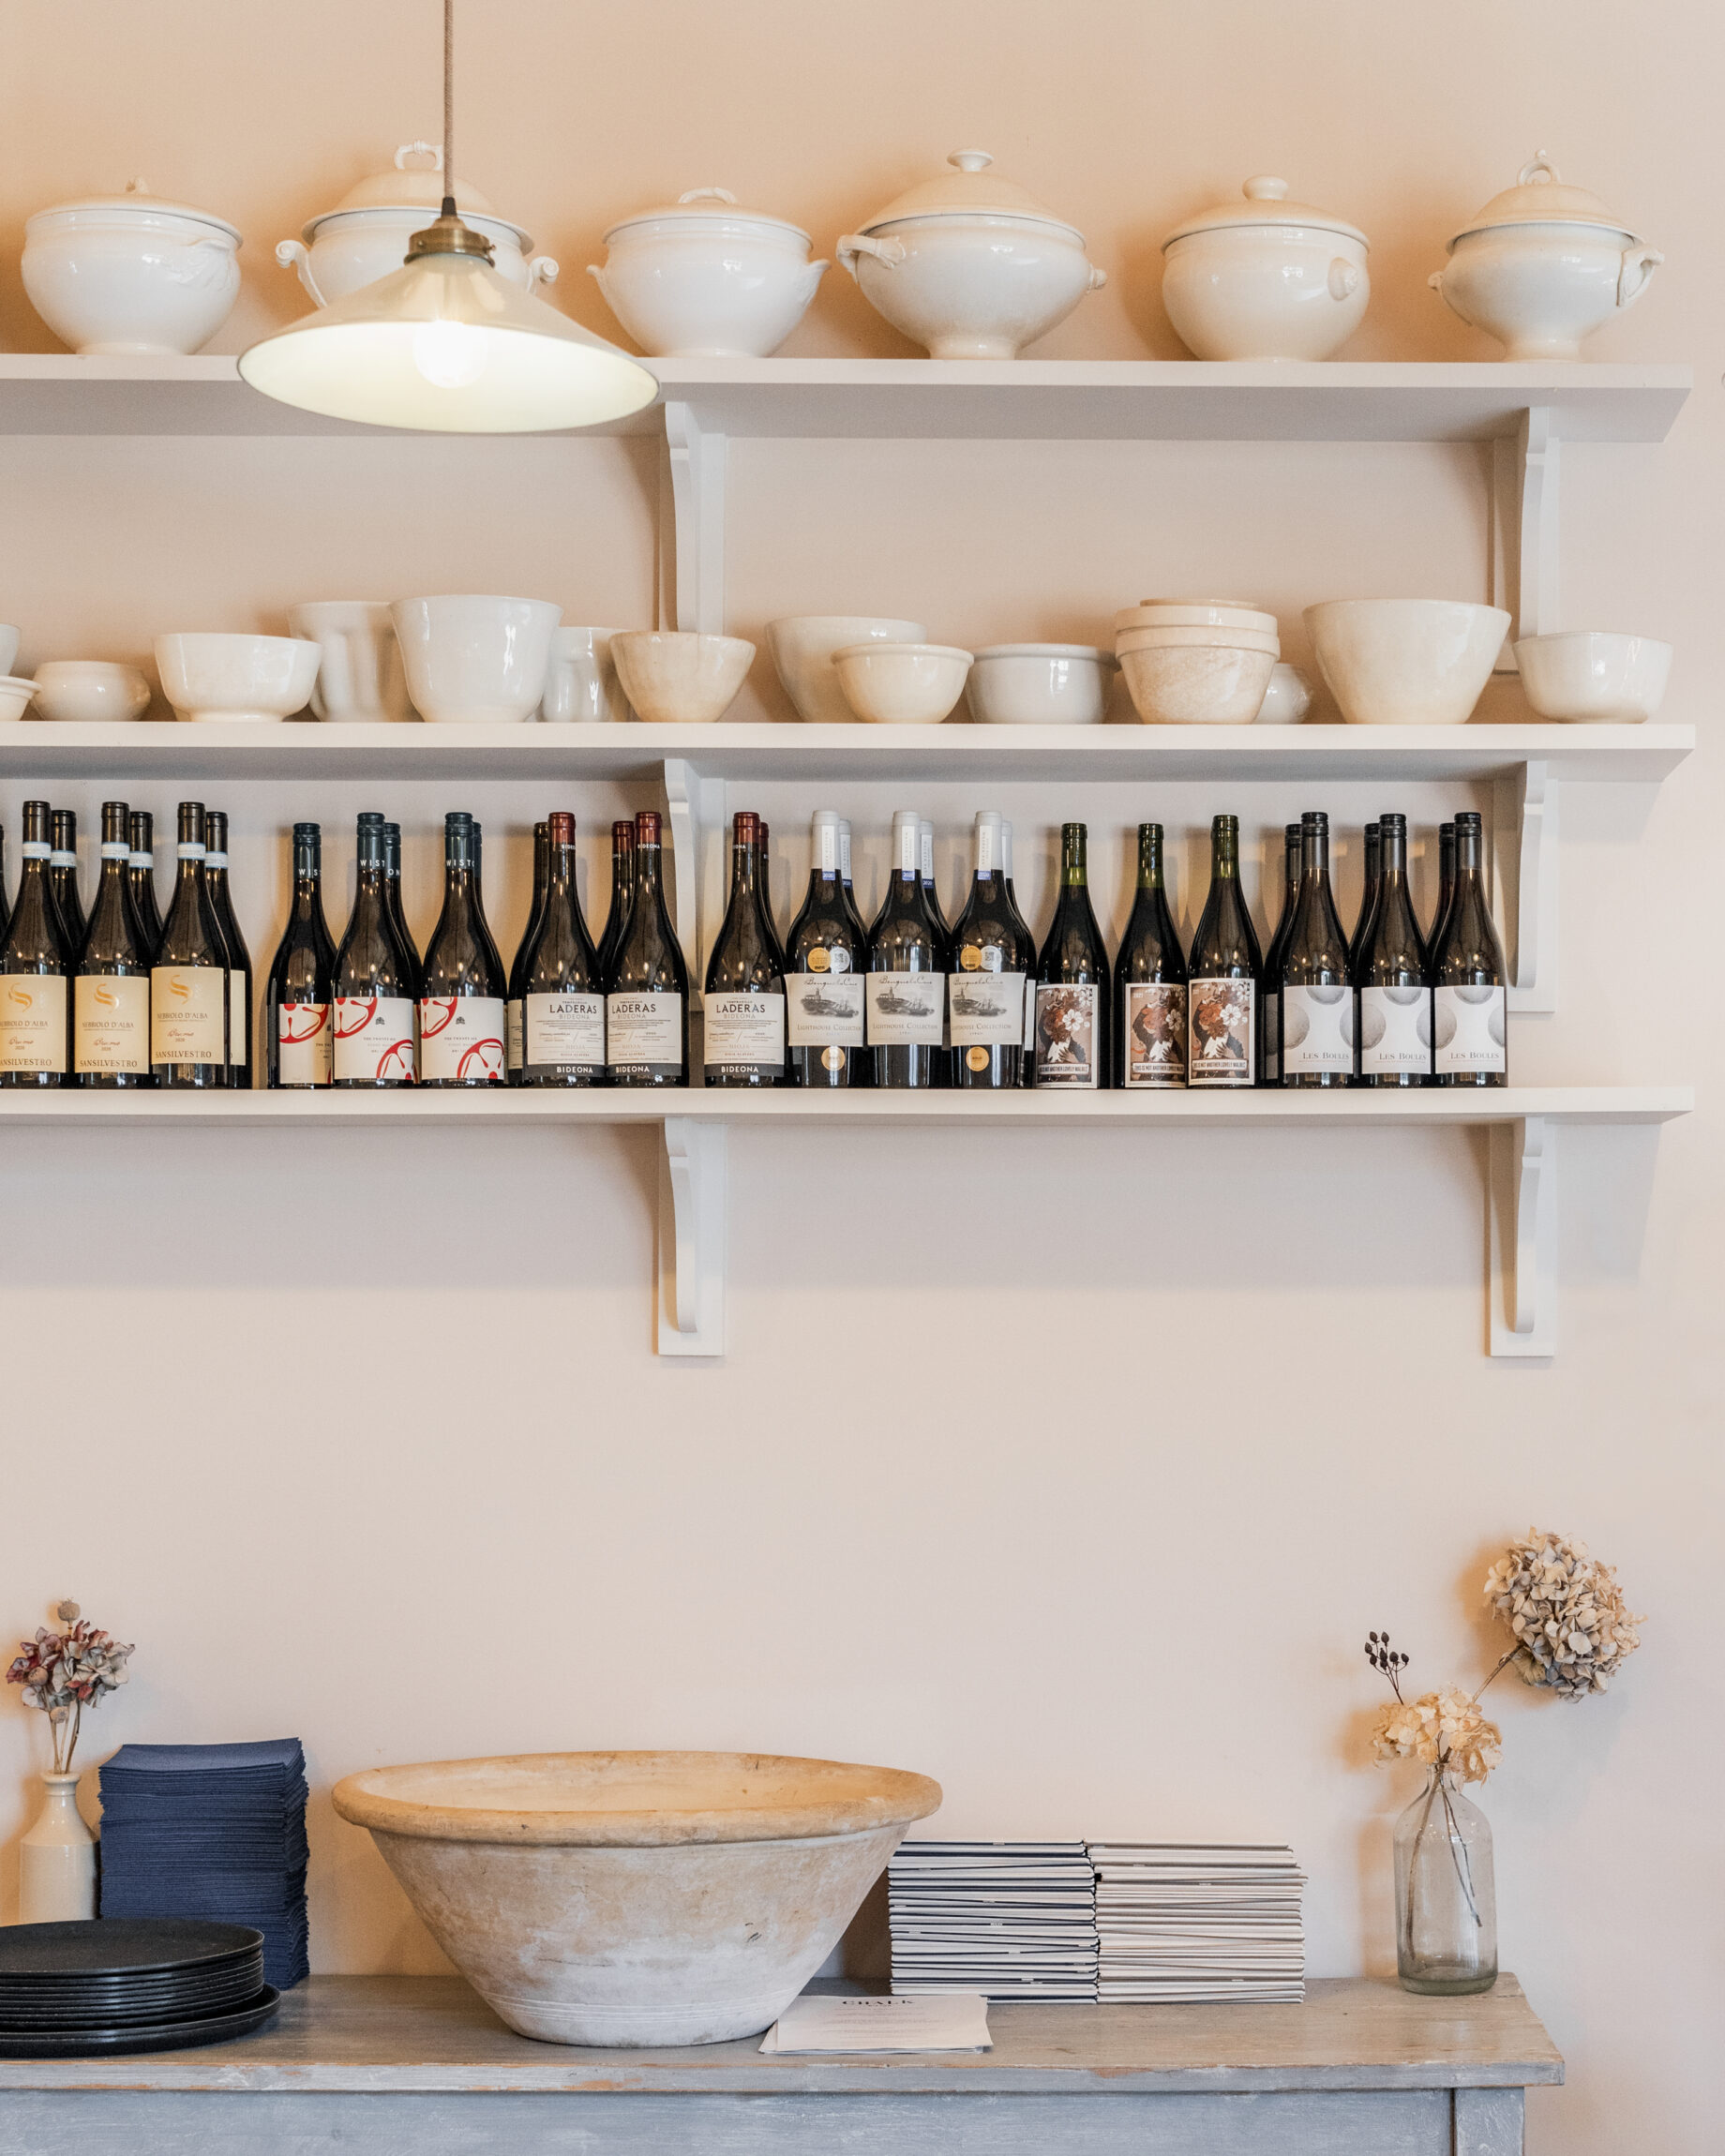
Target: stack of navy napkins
[{"x": 215, "y": 1831}]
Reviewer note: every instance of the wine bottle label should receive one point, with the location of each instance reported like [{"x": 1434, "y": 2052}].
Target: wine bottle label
[
  {"x": 1272, "y": 1040},
  {"x": 1221, "y": 1014},
  {"x": 643, "y": 1027},
  {"x": 302, "y": 1045},
  {"x": 906, "y": 1009},
  {"x": 1066, "y": 1046},
  {"x": 188, "y": 1014},
  {"x": 1317, "y": 1031},
  {"x": 1395, "y": 1031},
  {"x": 461, "y": 1040},
  {"x": 32, "y": 1022},
  {"x": 110, "y": 1023},
  {"x": 513, "y": 1029},
  {"x": 1470, "y": 1030},
  {"x": 564, "y": 1027},
  {"x": 743, "y": 1029},
  {"x": 1028, "y": 1042},
  {"x": 374, "y": 1040},
  {"x": 239, "y": 1009},
  {"x": 824, "y": 1009},
  {"x": 985, "y": 1009},
  {"x": 1154, "y": 1018}
]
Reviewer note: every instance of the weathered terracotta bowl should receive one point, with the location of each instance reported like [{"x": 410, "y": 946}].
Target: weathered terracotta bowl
[{"x": 636, "y": 1897}]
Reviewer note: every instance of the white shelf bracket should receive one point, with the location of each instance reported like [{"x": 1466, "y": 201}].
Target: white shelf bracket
[
  {"x": 696, "y": 808},
  {"x": 1524, "y": 475},
  {"x": 698, "y": 460},
  {"x": 1522, "y": 1203},
  {"x": 1525, "y": 880},
  {"x": 689, "y": 1299}
]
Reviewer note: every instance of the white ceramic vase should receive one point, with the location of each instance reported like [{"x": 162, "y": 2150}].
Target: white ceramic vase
[{"x": 56, "y": 1860}]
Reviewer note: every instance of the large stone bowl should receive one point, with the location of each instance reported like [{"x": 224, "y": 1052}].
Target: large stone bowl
[{"x": 636, "y": 1897}]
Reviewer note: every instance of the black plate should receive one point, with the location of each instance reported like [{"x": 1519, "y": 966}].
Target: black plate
[
  {"x": 119, "y": 1947},
  {"x": 150, "y": 2036},
  {"x": 187, "y": 2005}
]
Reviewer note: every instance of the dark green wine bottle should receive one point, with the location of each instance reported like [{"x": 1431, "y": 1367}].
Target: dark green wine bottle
[
  {"x": 1393, "y": 1018},
  {"x": 906, "y": 989},
  {"x": 1446, "y": 889},
  {"x": 35, "y": 972},
  {"x": 1269, "y": 1031},
  {"x": 1368, "y": 890},
  {"x": 1074, "y": 987},
  {"x": 826, "y": 958},
  {"x": 1222, "y": 974},
  {"x": 63, "y": 879},
  {"x": 742, "y": 1006},
  {"x": 1312, "y": 982},
  {"x": 993, "y": 960},
  {"x": 1149, "y": 981},
  {"x": 110, "y": 996},
  {"x": 1470, "y": 987}
]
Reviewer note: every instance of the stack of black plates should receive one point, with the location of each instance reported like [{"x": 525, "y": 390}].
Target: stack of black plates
[{"x": 72, "y": 1990}]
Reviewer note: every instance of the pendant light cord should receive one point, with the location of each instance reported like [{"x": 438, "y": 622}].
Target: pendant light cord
[{"x": 449, "y": 107}]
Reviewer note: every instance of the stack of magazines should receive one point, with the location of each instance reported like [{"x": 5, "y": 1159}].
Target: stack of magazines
[
  {"x": 1012, "y": 1920},
  {"x": 1186, "y": 1921}
]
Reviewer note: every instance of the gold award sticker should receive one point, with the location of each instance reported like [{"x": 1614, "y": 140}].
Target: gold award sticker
[
  {"x": 833, "y": 1059},
  {"x": 977, "y": 1059},
  {"x": 819, "y": 958},
  {"x": 971, "y": 957}
]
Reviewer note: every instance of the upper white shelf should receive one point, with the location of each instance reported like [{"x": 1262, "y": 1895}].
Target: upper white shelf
[{"x": 1185, "y": 400}]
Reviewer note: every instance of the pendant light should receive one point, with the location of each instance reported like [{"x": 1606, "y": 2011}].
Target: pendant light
[{"x": 446, "y": 344}]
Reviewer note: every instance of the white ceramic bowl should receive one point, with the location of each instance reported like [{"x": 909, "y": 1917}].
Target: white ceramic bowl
[
  {"x": 1195, "y": 614},
  {"x": 676, "y": 676},
  {"x": 1039, "y": 685},
  {"x": 131, "y": 275},
  {"x": 803, "y": 646},
  {"x": 472, "y": 660},
  {"x": 1592, "y": 678},
  {"x": 902, "y": 685},
  {"x": 702, "y": 278},
  {"x": 1287, "y": 699},
  {"x": 90, "y": 691},
  {"x": 1173, "y": 639},
  {"x": 230, "y": 677},
  {"x": 361, "y": 681},
  {"x": 1198, "y": 684},
  {"x": 581, "y": 687},
  {"x": 1265, "y": 278},
  {"x": 1405, "y": 662},
  {"x": 15, "y": 694},
  {"x": 8, "y": 647}
]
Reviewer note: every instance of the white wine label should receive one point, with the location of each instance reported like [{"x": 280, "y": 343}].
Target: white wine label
[
  {"x": 1154, "y": 1018},
  {"x": 743, "y": 1028},
  {"x": 461, "y": 1040},
  {"x": 824, "y": 1009},
  {"x": 564, "y": 1026},
  {"x": 512, "y": 1035},
  {"x": 110, "y": 1023},
  {"x": 239, "y": 1009},
  {"x": 1317, "y": 1031},
  {"x": 1470, "y": 1030},
  {"x": 303, "y": 1043},
  {"x": 643, "y": 1027},
  {"x": 1272, "y": 1039},
  {"x": 907, "y": 1009},
  {"x": 1067, "y": 1047},
  {"x": 188, "y": 1014},
  {"x": 1395, "y": 1031},
  {"x": 374, "y": 1040},
  {"x": 32, "y": 1022},
  {"x": 1029, "y": 1020},
  {"x": 1221, "y": 1014},
  {"x": 985, "y": 1009}
]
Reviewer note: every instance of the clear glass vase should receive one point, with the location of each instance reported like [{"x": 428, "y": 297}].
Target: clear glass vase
[{"x": 1446, "y": 1896}]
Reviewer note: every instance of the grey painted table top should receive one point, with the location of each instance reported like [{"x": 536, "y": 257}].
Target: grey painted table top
[{"x": 380, "y": 2034}]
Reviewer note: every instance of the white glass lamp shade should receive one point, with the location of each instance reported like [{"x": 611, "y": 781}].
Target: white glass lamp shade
[{"x": 447, "y": 345}]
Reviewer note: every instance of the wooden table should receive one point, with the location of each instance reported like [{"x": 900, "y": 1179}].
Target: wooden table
[{"x": 418, "y": 2066}]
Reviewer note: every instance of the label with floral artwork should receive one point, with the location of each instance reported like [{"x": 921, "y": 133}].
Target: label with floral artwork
[
  {"x": 1154, "y": 1018},
  {"x": 1067, "y": 1048},
  {"x": 1221, "y": 1016}
]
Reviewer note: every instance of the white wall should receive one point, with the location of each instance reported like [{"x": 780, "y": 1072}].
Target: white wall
[{"x": 1071, "y": 1471}]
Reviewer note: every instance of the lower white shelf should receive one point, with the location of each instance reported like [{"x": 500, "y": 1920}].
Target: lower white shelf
[{"x": 1520, "y": 1194}]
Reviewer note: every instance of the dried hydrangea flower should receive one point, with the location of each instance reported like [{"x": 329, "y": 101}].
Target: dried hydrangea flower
[
  {"x": 1443, "y": 1729},
  {"x": 1565, "y": 1611}
]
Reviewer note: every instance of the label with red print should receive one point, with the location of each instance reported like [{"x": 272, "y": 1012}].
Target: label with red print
[
  {"x": 462, "y": 1040},
  {"x": 374, "y": 1040},
  {"x": 301, "y": 1044}
]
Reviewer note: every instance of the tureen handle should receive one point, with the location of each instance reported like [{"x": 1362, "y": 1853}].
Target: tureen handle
[
  {"x": 294, "y": 254},
  {"x": 432, "y": 150},
  {"x": 1636, "y": 274},
  {"x": 1537, "y": 168},
  {"x": 542, "y": 270},
  {"x": 1098, "y": 279},
  {"x": 708, "y": 195},
  {"x": 1343, "y": 278},
  {"x": 888, "y": 253}
]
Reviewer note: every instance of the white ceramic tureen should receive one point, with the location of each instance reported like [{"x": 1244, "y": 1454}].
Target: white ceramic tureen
[
  {"x": 1544, "y": 265},
  {"x": 130, "y": 274},
  {"x": 702, "y": 278},
  {"x": 1265, "y": 278},
  {"x": 365, "y": 236},
  {"x": 971, "y": 266}
]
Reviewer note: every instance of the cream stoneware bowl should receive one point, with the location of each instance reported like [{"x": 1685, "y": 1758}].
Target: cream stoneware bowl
[
  {"x": 15, "y": 694},
  {"x": 1039, "y": 685},
  {"x": 1591, "y": 677},
  {"x": 1198, "y": 684},
  {"x": 230, "y": 676},
  {"x": 1195, "y": 614},
  {"x": 1405, "y": 662},
  {"x": 636, "y": 1897},
  {"x": 902, "y": 685},
  {"x": 802, "y": 645},
  {"x": 90, "y": 691},
  {"x": 474, "y": 659},
  {"x": 676, "y": 676}
]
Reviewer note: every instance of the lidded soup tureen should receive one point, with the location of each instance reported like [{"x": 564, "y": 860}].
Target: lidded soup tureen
[
  {"x": 132, "y": 273},
  {"x": 700, "y": 277},
  {"x": 1544, "y": 265},
  {"x": 365, "y": 236},
  {"x": 970, "y": 265},
  {"x": 1262, "y": 277}
]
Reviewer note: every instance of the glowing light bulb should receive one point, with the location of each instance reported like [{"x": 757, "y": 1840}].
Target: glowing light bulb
[{"x": 450, "y": 354}]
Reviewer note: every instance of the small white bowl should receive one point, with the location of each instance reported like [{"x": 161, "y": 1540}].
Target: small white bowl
[
  {"x": 230, "y": 676},
  {"x": 90, "y": 691},
  {"x": 1195, "y": 614},
  {"x": 1039, "y": 685},
  {"x": 15, "y": 694},
  {"x": 1198, "y": 640},
  {"x": 803, "y": 646},
  {"x": 1592, "y": 678},
  {"x": 8, "y": 648},
  {"x": 1406, "y": 662},
  {"x": 678, "y": 678},
  {"x": 1198, "y": 684},
  {"x": 902, "y": 685},
  {"x": 1287, "y": 699}
]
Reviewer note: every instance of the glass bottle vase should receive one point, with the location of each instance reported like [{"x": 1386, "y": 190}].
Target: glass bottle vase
[{"x": 1446, "y": 1896}]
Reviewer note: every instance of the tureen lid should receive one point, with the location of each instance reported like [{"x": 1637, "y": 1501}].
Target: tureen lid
[
  {"x": 702, "y": 206},
  {"x": 970, "y": 189},
  {"x": 137, "y": 198},
  {"x": 1539, "y": 197},
  {"x": 418, "y": 187},
  {"x": 1264, "y": 202}
]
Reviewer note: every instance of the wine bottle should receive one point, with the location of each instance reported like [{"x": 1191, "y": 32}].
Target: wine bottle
[
  {"x": 63, "y": 879},
  {"x": 239, "y": 958},
  {"x": 844, "y": 877},
  {"x": 35, "y": 1007},
  {"x": 375, "y": 980},
  {"x": 1368, "y": 890},
  {"x": 905, "y": 993},
  {"x": 1313, "y": 982},
  {"x": 1394, "y": 1020},
  {"x": 744, "y": 1007},
  {"x": 512, "y": 1017},
  {"x": 6, "y": 908},
  {"x": 926, "y": 836},
  {"x": 1468, "y": 981},
  {"x": 1027, "y": 1062},
  {"x": 1150, "y": 981},
  {"x": 993, "y": 960},
  {"x": 1222, "y": 973},
  {"x": 1074, "y": 989},
  {"x": 392, "y": 887},
  {"x": 1270, "y": 1007},
  {"x": 623, "y": 878},
  {"x": 1446, "y": 889},
  {"x": 825, "y": 959},
  {"x": 188, "y": 975},
  {"x": 299, "y": 1034},
  {"x": 647, "y": 992},
  {"x": 462, "y": 995},
  {"x": 140, "y": 832},
  {"x": 765, "y": 881},
  {"x": 110, "y": 995},
  {"x": 562, "y": 1006}
]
